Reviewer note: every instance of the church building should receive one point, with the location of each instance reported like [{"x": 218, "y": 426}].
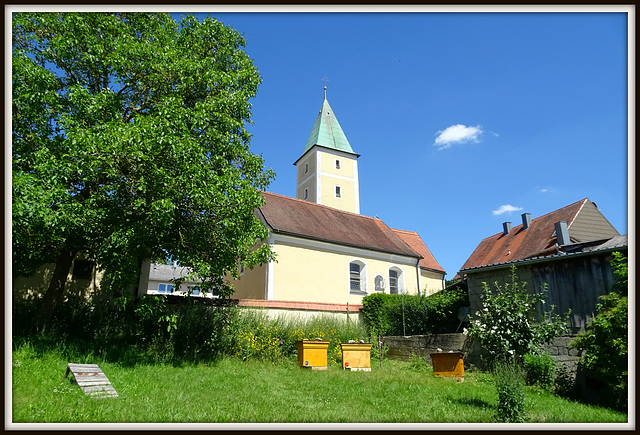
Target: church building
[{"x": 326, "y": 251}]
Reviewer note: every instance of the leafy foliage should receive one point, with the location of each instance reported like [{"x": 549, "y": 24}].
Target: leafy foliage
[
  {"x": 387, "y": 314},
  {"x": 509, "y": 326},
  {"x": 129, "y": 143},
  {"x": 606, "y": 339},
  {"x": 540, "y": 370},
  {"x": 509, "y": 382}
]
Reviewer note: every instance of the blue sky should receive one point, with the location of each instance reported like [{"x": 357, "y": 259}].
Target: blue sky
[{"x": 462, "y": 120}]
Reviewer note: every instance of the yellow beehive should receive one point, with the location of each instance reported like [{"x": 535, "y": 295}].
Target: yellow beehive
[
  {"x": 312, "y": 353},
  {"x": 448, "y": 364},
  {"x": 356, "y": 356}
]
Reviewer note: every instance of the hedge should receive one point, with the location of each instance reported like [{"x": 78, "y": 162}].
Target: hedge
[{"x": 386, "y": 314}]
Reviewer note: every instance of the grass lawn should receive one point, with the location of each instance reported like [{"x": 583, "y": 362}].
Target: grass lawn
[{"x": 233, "y": 391}]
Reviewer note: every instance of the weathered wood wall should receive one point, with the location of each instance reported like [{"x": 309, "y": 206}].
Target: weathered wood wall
[{"x": 574, "y": 282}]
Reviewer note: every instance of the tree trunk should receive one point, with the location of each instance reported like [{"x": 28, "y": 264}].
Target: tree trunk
[{"x": 53, "y": 296}]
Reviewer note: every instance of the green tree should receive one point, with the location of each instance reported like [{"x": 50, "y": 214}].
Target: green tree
[
  {"x": 511, "y": 323},
  {"x": 129, "y": 144},
  {"x": 605, "y": 341}
]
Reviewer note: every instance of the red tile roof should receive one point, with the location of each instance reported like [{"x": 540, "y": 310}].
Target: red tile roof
[
  {"x": 300, "y": 305},
  {"x": 295, "y": 217},
  {"x": 519, "y": 244},
  {"x": 416, "y": 243}
]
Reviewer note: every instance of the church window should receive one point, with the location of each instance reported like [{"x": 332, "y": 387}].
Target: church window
[
  {"x": 393, "y": 282},
  {"x": 379, "y": 283},
  {"x": 337, "y": 164},
  {"x": 338, "y": 192},
  {"x": 306, "y": 168},
  {"x": 357, "y": 277},
  {"x": 306, "y": 193},
  {"x": 396, "y": 281}
]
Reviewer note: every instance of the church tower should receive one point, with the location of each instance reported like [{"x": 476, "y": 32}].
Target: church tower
[{"x": 327, "y": 172}]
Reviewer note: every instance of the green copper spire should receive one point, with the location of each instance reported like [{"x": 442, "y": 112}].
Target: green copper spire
[{"x": 327, "y": 132}]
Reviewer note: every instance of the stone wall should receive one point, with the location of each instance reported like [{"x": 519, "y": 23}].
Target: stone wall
[{"x": 403, "y": 347}]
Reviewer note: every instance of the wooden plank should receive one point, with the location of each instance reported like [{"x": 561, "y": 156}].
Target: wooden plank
[
  {"x": 91, "y": 380},
  {"x": 101, "y": 390}
]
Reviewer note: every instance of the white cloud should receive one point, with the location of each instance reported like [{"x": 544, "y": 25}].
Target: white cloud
[
  {"x": 457, "y": 134},
  {"x": 506, "y": 209}
]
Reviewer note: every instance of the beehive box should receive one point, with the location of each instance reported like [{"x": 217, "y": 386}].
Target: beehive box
[
  {"x": 448, "y": 365},
  {"x": 312, "y": 354},
  {"x": 356, "y": 356}
]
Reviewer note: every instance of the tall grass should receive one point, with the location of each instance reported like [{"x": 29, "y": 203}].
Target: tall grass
[
  {"x": 231, "y": 390},
  {"x": 262, "y": 337}
]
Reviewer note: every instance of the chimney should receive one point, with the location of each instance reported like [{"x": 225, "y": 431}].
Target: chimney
[
  {"x": 562, "y": 233},
  {"x": 506, "y": 228},
  {"x": 526, "y": 220}
]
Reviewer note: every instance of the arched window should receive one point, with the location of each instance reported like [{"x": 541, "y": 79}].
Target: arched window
[
  {"x": 378, "y": 282},
  {"x": 357, "y": 277},
  {"x": 396, "y": 281}
]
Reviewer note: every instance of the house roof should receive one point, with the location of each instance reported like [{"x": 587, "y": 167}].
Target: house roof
[
  {"x": 617, "y": 243},
  {"x": 538, "y": 240},
  {"x": 327, "y": 133},
  {"x": 295, "y": 217},
  {"x": 416, "y": 243}
]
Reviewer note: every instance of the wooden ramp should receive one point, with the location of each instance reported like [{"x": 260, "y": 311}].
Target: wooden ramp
[{"x": 91, "y": 380}]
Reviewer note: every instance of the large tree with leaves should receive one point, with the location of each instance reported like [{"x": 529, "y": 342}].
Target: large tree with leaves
[{"x": 130, "y": 144}]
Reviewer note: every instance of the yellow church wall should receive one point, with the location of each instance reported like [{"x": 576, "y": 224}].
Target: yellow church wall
[
  {"x": 347, "y": 200},
  {"x": 311, "y": 190},
  {"x": 252, "y": 283},
  {"x": 37, "y": 284},
  {"x": 307, "y": 180},
  {"x": 314, "y": 273},
  {"x": 330, "y": 177},
  {"x": 431, "y": 281},
  {"x": 328, "y": 164}
]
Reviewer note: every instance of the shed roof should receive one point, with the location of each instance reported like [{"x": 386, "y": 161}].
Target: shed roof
[
  {"x": 538, "y": 240},
  {"x": 295, "y": 217}
]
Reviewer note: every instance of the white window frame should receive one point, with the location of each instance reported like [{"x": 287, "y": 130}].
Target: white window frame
[
  {"x": 337, "y": 189},
  {"x": 400, "y": 288},
  {"x": 384, "y": 283},
  {"x": 363, "y": 277},
  {"x": 337, "y": 163}
]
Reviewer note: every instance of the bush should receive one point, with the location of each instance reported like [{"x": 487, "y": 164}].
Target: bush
[
  {"x": 540, "y": 370},
  {"x": 564, "y": 383},
  {"x": 508, "y": 325},
  {"x": 386, "y": 314},
  {"x": 509, "y": 382}
]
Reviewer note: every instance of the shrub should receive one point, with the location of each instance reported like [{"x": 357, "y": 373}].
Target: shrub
[
  {"x": 606, "y": 340},
  {"x": 386, "y": 314},
  {"x": 508, "y": 325},
  {"x": 509, "y": 382},
  {"x": 540, "y": 370},
  {"x": 564, "y": 383}
]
